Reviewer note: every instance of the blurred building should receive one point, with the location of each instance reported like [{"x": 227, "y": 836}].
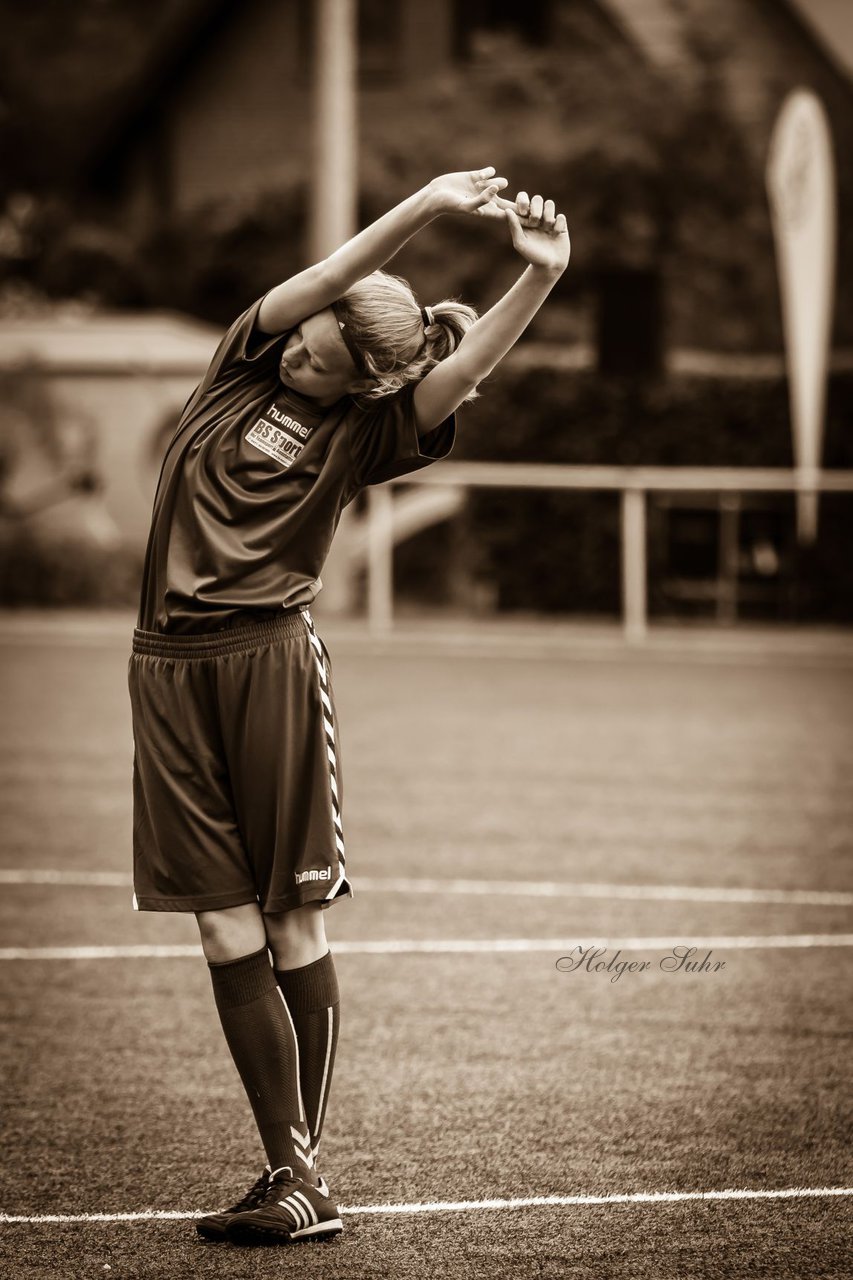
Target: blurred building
[
  {"x": 223, "y": 98},
  {"x": 221, "y": 109},
  {"x": 672, "y": 269},
  {"x": 110, "y": 390}
]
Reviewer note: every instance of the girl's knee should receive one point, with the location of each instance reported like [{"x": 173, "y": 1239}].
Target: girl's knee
[
  {"x": 297, "y": 937},
  {"x": 231, "y": 933}
]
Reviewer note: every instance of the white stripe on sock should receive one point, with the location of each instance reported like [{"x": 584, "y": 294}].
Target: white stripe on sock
[
  {"x": 296, "y": 1051},
  {"x": 303, "y": 1142},
  {"x": 321, "y": 1103}
]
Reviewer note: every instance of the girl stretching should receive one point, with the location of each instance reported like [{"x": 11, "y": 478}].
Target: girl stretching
[{"x": 335, "y": 380}]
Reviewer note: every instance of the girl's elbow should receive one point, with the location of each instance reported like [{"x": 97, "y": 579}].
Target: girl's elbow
[{"x": 470, "y": 374}]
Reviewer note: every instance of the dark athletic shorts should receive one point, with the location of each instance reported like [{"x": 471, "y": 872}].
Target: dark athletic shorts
[{"x": 236, "y": 770}]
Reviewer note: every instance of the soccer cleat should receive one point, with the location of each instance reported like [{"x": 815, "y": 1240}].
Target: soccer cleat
[
  {"x": 212, "y": 1227},
  {"x": 292, "y": 1210}
]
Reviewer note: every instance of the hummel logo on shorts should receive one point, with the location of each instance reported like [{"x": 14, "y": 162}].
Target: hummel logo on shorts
[{"x": 302, "y": 876}]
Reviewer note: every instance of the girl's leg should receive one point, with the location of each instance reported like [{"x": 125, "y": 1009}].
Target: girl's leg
[
  {"x": 232, "y": 933},
  {"x": 306, "y": 976},
  {"x": 259, "y": 1031}
]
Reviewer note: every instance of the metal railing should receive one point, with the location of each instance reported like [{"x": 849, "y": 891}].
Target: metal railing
[{"x": 632, "y": 483}]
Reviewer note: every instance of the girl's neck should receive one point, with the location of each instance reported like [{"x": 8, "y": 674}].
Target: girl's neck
[{"x": 308, "y": 402}]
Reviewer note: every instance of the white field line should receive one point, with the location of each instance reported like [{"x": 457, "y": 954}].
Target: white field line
[
  {"x": 463, "y": 1206},
  {"x": 488, "y": 888},
  {"x": 583, "y": 889},
  {"x": 436, "y": 946},
  {"x": 68, "y": 879}
]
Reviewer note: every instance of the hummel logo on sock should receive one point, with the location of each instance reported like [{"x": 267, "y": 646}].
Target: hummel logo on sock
[{"x": 302, "y": 1147}]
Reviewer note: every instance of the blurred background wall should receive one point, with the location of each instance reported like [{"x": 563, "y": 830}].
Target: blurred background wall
[{"x": 156, "y": 159}]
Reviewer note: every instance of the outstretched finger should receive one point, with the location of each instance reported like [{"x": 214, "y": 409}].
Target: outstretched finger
[
  {"x": 495, "y": 208},
  {"x": 483, "y": 203},
  {"x": 481, "y": 175},
  {"x": 490, "y": 210},
  {"x": 494, "y": 184},
  {"x": 484, "y": 197},
  {"x": 515, "y": 228}
]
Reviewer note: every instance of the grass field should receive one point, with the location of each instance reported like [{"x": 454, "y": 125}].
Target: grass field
[{"x": 466, "y": 1071}]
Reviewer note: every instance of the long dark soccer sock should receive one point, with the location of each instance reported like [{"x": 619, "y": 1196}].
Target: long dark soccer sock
[
  {"x": 263, "y": 1044},
  {"x": 313, "y": 999}
]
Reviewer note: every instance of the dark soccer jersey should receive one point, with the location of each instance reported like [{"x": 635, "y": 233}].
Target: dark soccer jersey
[{"x": 253, "y": 483}]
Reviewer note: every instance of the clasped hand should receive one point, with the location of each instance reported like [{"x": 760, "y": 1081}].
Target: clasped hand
[{"x": 539, "y": 234}]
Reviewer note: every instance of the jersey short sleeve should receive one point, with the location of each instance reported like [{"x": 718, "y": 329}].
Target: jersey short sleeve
[
  {"x": 384, "y": 441},
  {"x": 244, "y": 354}
]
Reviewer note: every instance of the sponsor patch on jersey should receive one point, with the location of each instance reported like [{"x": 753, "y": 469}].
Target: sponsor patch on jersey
[{"x": 282, "y": 439}]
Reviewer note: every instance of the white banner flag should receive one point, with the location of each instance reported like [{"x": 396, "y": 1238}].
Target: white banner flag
[{"x": 801, "y": 188}]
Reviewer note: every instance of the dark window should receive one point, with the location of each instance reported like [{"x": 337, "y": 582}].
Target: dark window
[
  {"x": 379, "y": 39},
  {"x": 693, "y": 538},
  {"x": 530, "y": 20},
  {"x": 630, "y": 322}
]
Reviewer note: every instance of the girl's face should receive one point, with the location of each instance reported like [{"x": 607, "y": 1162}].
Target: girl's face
[{"x": 315, "y": 361}]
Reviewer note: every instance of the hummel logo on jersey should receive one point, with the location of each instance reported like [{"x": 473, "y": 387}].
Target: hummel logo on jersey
[
  {"x": 277, "y": 435},
  {"x": 302, "y": 876}
]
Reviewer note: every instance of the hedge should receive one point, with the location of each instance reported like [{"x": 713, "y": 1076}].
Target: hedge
[{"x": 559, "y": 552}]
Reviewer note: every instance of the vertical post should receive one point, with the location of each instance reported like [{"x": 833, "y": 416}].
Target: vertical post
[
  {"x": 332, "y": 210},
  {"x": 333, "y": 181},
  {"x": 634, "y": 564},
  {"x": 727, "y": 557},
  {"x": 380, "y": 559}
]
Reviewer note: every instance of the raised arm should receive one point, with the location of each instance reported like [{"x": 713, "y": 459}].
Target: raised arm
[
  {"x": 541, "y": 237},
  {"x": 319, "y": 286}
]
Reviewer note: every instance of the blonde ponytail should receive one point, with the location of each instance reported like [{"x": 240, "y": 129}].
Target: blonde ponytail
[
  {"x": 393, "y": 336},
  {"x": 451, "y": 321}
]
